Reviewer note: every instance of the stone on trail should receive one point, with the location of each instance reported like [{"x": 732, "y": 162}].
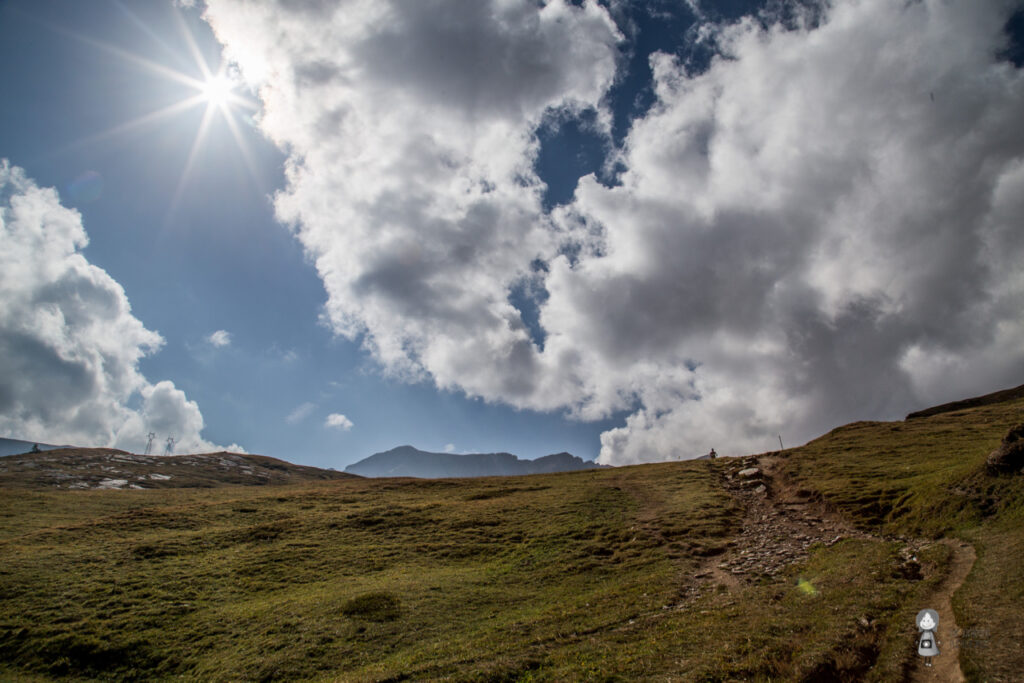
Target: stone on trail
[{"x": 749, "y": 472}]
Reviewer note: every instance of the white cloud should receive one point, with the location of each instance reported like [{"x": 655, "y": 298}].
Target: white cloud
[
  {"x": 411, "y": 183},
  {"x": 811, "y": 230},
  {"x": 167, "y": 412},
  {"x": 339, "y": 421},
  {"x": 220, "y": 338},
  {"x": 818, "y": 228},
  {"x": 69, "y": 345},
  {"x": 449, "y": 448},
  {"x": 300, "y": 413}
]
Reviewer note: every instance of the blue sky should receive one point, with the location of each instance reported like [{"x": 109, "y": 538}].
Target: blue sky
[
  {"x": 217, "y": 258},
  {"x": 570, "y": 228}
]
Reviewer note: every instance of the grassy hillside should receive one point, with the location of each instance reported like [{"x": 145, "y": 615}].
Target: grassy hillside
[
  {"x": 1003, "y": 396},
  {"x": 595, "y": 575},
  {"x": 109, "y": 468},
  {"x": 926, "y": 477}
]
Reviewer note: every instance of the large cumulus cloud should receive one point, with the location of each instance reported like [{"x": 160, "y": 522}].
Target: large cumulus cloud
[
  {"x": 69, "y": 344},
  {"x": 411, "y": 128},
  {"x": 821, "y": 223},
  {"x": 824, "y": 225}
]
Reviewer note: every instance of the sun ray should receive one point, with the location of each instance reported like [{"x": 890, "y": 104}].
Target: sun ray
[
  {"x": 243, "y": 147},
  {"x": 152, "y": 35},
  {"x": 148, "y": 64},
  {"x": 217, "y": 89},
  {"x": 133, "y": 124},
  {"x": 190, "y": 161},
  {"x": 197, "y": 55}
]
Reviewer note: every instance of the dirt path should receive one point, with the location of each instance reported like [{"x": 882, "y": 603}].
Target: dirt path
[
  {"x": 780, "y": 524},
  {"x": 946, "y": 666}
]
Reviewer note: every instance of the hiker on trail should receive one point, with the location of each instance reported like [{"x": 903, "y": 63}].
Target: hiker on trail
[
  {"x": 712, "y": 454},
  {"x": 927, "y": 645}
]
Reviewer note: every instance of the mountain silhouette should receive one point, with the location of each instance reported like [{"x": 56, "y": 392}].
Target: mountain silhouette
[{"x": 407, "y": 461}]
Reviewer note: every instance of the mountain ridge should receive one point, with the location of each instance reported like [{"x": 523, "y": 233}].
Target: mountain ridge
[
  {"x": 110, "y": 468},
  {"x": 409, "y": 461},
  {"x": 1001, "y": 396}
]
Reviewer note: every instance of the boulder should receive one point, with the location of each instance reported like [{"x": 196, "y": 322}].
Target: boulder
[
  {"x": 1009, "y": 457},
  {"x": 749, "y": 472}
]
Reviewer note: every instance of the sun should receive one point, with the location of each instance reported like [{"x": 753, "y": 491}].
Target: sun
[
  {"x": 217, "y": 90},
  {"x": 220, "y": 90}
]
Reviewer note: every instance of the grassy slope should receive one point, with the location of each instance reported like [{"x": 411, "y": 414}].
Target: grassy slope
[
  {"x": 1003, "y": 396},
  {"x": 925, "y": 477},
  {"x": 547, "y": 577},
  {"x": 86, "y": 468}
]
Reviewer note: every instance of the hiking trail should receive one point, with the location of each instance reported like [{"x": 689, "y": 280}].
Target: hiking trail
[
  {"x": 946, "y": 666},
  {"x": 780, "y": 524}
]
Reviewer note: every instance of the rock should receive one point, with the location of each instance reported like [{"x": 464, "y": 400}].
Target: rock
[
  {"x": 749, "y": 472},
  {"x": 1010, "y": 454},
  {"x": 760, "y": 489}
]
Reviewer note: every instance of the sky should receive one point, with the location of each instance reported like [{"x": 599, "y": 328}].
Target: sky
[{"x": 633, "y": 231}]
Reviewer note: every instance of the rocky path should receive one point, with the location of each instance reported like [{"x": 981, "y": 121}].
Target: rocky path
[{"x": 781, "y": 523}]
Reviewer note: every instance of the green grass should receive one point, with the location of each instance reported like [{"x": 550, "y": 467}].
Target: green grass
[
  {"x": 926, "y": 477},
  {"x": 922, "y": 477},
  {"x": 577, "y": 576},
  {"x": 360, "y": 579}
]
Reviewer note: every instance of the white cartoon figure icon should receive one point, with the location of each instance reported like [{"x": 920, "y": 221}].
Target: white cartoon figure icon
[{"x": 927, "y": 644}]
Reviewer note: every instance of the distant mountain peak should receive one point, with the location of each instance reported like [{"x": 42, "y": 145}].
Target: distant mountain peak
[
  {"x": 409, "y": 461},
  {"x": 564, "y": 455},
  {"x": 402, "y": 449}
]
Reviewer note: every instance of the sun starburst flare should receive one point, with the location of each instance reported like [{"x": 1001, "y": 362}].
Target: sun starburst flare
[
  {"x": 220, "y": 91},
  {"x": 217, "y": 90}
]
